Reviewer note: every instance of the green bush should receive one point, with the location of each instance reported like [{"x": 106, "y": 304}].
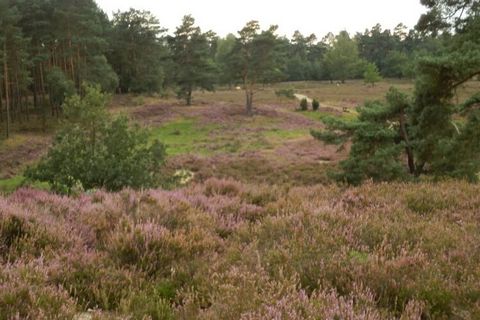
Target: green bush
[
  {"x": 304, "y": 104},
  {"x": 287, "y": 93},
  {"x": 95, "y": 151},
  {"x": 59, "y": 86},
  {"x": 315, "y": 105}
]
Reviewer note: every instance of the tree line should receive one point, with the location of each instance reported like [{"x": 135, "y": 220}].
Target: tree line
[{"x": 50, "y": 48}]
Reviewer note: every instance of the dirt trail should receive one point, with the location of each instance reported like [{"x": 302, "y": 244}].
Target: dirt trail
[{"x": 301, "y": 97}]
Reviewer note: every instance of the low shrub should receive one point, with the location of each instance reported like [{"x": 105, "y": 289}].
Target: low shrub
[
  {"x": 315, "y": 105},
  {"x": 227, "y": 250},
  {"x": 287, "y": 93},
  {"x": 304, "y": 104},
  {"x": 93, "y": 281},
  {"x": 26, "y": 294}
]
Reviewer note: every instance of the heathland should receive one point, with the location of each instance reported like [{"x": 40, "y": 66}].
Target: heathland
[{"x": 260, "y": 232}]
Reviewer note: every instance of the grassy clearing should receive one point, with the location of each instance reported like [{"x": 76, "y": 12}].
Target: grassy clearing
[
  {"x": 191, "y": 136},
  {"x": 10, "y": 185},
  {"x": 183, "y": 136}
]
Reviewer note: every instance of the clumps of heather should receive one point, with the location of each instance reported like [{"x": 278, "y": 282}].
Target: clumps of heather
[{"x": 226, "y": 250}]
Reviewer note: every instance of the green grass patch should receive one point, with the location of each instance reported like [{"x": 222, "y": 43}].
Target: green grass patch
[
  {"x": 183, "y": 136},
  {"x": 282, "y": 135},
  {"x": 10, "y": 185}
]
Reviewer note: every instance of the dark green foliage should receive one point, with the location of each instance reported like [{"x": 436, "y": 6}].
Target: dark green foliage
[
  {"x": 287, "y": 93},
  {"x": 342, "y": 60},
  {"x": 254, "y": 59},
  {"x": 193, "y": 59},
  {"x": 100, "y": 72},
  {"x": 422, "y": 131},
  {"x": 304, "y": 57},
  {"x": 59, "y": 86},
  {"x": 426, "y": 128},
  {"x": 222, "y": 59},
  {"x": 138, "y": 55},
  {"x": 448, "y": 14},
  {"x": 375, "y": 151},
  {"x": 304, "y": 104},
  {"x": 371, "y": 74},
  {"x": 94, "y": 151},
  {"x": 315, "y": 105}
]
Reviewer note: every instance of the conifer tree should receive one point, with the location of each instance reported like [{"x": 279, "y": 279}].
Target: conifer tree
[{"x": 194, "y": 65}]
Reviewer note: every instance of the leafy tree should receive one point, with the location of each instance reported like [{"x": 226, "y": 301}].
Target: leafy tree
[
  {"x": 137, "y": 54},
  {"x": 342, "y": 59},
  {"x": 222, "y": 56},
  {"x": 255, "y": 60},
  {"x": 193, "y": 62},
  {"x": 397, "y": 64},
  {"x": 60, "y": 87},
  {"x": 371, "y": 74},
  {"x": 95, "y": 151},
  {"x": 375, "y": 45},
  {"x": 100, "y": 72}
]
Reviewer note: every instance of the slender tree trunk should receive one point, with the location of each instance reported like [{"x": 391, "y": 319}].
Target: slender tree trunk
[
  {"x": 249, "y": 104},
  {"x": 1, "y": 102},
  {"x": 5, "y": 77},
  {"x": 42, "y": 87},
  {"x": 189, "y": 97},
  {"x": 408, "y": 148}
]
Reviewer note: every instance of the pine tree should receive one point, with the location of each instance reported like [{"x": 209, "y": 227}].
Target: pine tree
[
  {"x": 423, "y": 126},
  {"x": 137, "y": 51},
  {"x": 254, "y": 59},
  {"x": 371, "y": 74},
  {"x": 342, "y": 59},
  {"x": 194, "y": 66}
]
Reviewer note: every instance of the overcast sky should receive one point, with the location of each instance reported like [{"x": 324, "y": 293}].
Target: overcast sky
[{"x": 308, "y": 16}]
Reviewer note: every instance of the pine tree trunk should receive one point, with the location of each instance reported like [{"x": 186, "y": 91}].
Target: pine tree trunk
[
  {"x": 1, "y": 102},
  {"x": 249, "y": 104},
  {"x": 42, "y": 87},
  {"x": 5, "y": 77},
  {"x": 408, "y": 148},
  {"x": 189, "y": 97}
]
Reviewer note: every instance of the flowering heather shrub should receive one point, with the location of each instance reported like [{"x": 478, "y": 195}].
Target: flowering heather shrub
[
  {"x": 93, "y": 280},
  {"x": 226, "y": 250},
  {"x": 26, "y": 294}
]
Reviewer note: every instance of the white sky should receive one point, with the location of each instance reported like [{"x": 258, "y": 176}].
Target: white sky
[{"x": 307, "y": 16}]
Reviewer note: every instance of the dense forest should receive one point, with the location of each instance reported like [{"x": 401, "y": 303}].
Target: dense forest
[{"x": 48, "y": 49}]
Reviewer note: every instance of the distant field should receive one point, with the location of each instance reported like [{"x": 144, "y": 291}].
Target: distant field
[{"x": 214, "y": 137}]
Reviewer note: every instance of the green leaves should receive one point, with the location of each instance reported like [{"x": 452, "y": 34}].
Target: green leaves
[
  {"x": 371, "y": 74},
  {"x": 342, "y": 60},
  {"x": 194, "y": 65},
  {"x": 95, "y": 151},
  {"x": 138, "y": 55}
]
